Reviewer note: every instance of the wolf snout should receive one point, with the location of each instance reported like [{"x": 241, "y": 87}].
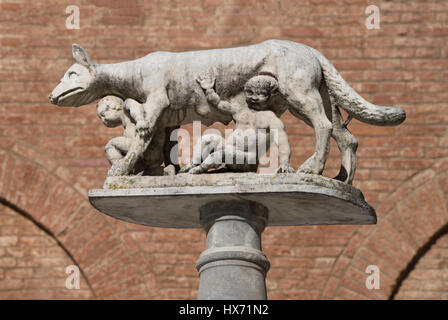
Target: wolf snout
[{"x": 52, "y": 98}]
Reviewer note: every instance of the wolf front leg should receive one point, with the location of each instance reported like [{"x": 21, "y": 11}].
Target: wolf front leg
[{"x": 153, "y": 109}]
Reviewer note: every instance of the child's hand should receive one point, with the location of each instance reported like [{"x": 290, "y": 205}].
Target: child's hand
[{"x": 206, "y": 81}]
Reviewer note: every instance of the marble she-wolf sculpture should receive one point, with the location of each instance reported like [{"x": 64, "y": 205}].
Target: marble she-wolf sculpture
[{"x": 165, "y": 84}]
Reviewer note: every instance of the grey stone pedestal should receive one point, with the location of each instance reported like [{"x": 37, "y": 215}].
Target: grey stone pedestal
[
  {"x": 233, "y": 266},
  {"x": 234, "y": 209}
]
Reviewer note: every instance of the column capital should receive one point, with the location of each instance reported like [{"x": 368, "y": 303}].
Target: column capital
[{"x": 252, "y": 212}]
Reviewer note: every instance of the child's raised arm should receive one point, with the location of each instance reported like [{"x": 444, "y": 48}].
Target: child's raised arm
[
  {"x": 207, "y": 83},
  {"x": 137, "y": 114}
]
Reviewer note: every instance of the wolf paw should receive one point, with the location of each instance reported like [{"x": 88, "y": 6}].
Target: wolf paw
[
  {"x": 285, "y": 168},
  {"x": 311, "y": 166}
]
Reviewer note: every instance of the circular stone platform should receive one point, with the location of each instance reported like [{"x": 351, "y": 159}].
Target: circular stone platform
[{"x": 174, "y": 201}]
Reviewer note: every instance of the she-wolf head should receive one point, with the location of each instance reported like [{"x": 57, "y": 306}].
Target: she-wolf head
[{"x": 75, "y": 88}]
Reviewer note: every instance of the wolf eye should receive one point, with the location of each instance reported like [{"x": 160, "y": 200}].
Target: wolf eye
[{"x": 70, "y": 74}]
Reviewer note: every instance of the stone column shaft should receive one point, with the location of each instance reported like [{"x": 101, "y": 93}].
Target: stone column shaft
[{"x": 233, "y": 266}]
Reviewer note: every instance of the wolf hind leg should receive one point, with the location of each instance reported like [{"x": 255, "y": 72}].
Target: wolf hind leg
[
  {"x": 309, "y": 106},
  {"x": 347, "y": 144}
]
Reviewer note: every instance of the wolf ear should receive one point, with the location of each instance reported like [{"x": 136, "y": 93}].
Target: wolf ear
[{"x": 81, "y": 56}]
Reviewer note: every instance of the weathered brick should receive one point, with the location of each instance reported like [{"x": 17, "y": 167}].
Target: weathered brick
[
  {"x": 7, "y": 262},
  {"x": 6, "y": 241}
]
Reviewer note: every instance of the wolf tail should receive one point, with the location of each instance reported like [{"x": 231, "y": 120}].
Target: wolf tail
[{"x": 355, "y": 105}]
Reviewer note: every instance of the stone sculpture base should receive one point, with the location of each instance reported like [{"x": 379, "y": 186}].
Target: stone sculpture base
[{"x": 234, "y": 209}]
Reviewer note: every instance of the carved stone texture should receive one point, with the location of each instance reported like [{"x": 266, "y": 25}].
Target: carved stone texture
[
  {"x": 114, "y": 112},
  {"x": 164, "y": 84},
  {"x": 254, "y": 122}
]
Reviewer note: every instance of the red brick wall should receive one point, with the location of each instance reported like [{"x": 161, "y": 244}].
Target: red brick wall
[
  {"x": 428, "y": 280},
  {"x": 50, "y": 157},
  {"x": 32, "y": 264}
]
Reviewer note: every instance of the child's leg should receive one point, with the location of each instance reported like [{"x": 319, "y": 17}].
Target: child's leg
[
  {"x": 208, "y": 144},
  {"x": 117, "y": 148},
  {"x": 213, "y": 161}
]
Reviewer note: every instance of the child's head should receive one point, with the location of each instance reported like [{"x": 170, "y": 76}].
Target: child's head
[
  {"x": 258, "y": 90},
  {"x": 110, "y": 110}
]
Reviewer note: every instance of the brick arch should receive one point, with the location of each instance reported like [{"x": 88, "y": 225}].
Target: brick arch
[
  {"x": 407, "y": 221},
  {"x": 438, "y": 242},
  {"x": 32, "y": 261},
  {"x": 40, "y": 187}
]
